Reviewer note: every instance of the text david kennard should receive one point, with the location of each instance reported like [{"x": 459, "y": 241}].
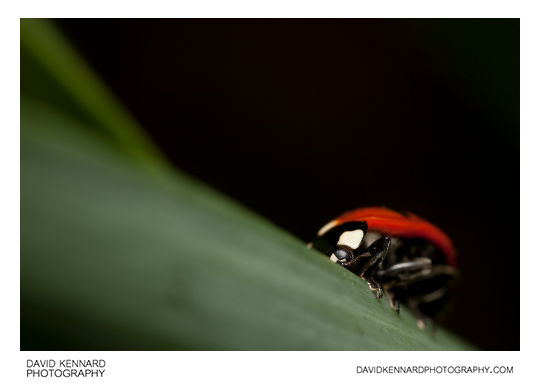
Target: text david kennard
[{"x": 65, "y": 368}]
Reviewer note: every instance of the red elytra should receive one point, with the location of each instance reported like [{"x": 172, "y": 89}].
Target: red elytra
[{"x": 406, "y": 225}]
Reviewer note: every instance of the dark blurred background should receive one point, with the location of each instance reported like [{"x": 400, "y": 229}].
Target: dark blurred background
[{"x": 301, "y": 120}]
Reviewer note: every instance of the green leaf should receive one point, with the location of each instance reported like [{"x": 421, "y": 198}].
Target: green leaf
[{"x": 113, "y": 257}]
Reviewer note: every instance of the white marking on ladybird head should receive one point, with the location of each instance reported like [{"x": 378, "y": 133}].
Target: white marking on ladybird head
[
  {"x": 327, "y": 227},
  {"x": 351, "y": 239},
  {"x": 333, "y": 258}
]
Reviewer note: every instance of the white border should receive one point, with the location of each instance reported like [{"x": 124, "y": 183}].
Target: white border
[
  {"x": 283, "y": 367},
  {"x": 273, "y": 9}
]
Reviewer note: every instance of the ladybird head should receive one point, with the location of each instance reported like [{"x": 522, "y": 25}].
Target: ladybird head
[{"x": 345, "y": 239}]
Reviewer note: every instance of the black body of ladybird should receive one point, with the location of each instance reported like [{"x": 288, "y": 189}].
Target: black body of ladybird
[{"x": 406, "y": 257}]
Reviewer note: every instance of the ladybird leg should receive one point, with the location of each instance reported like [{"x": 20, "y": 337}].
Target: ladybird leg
[
  {"x": 438, "y": 270},
  {"x": 377, "y": 252},
  {"x": 422, "y": 321},
  {"x": 375, "y": 287},
  {"x": 413, "y": 305},
  {"x": 434, "y": 296},
  {"x": 406, "y": 269},
  {"x": 423, "y": 299},
  {"x": 394, "y": 304},
  {"x": 355, "y": 260},
  {"x": 395, "y": 280}
]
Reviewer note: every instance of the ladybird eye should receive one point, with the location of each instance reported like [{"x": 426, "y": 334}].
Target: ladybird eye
[{"x": 341, "y": 253}]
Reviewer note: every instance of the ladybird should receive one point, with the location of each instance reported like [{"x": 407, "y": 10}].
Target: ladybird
[{"x": 408, "y": 258}]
